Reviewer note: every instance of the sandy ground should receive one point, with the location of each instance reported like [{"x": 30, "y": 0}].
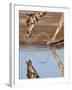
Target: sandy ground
[{"x": 43, "y": 38}]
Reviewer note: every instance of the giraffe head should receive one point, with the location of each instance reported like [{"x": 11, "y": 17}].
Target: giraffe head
[{"x": 29, "y": 62}]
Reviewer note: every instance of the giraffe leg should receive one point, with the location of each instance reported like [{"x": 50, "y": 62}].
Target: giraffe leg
[
  {"x": 29, "y": 31},
  {"x": 59, "y": 26}
]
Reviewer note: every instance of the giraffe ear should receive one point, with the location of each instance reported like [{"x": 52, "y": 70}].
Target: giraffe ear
[{"x": 30, "y": 61}]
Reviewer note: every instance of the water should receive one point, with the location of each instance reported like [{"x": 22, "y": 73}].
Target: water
[{"x": 42, "y": 59}]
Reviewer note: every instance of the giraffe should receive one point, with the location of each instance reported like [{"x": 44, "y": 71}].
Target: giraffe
[
  {"x": 31, "y": 21},
  {"x": 31, "y": 72}
]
